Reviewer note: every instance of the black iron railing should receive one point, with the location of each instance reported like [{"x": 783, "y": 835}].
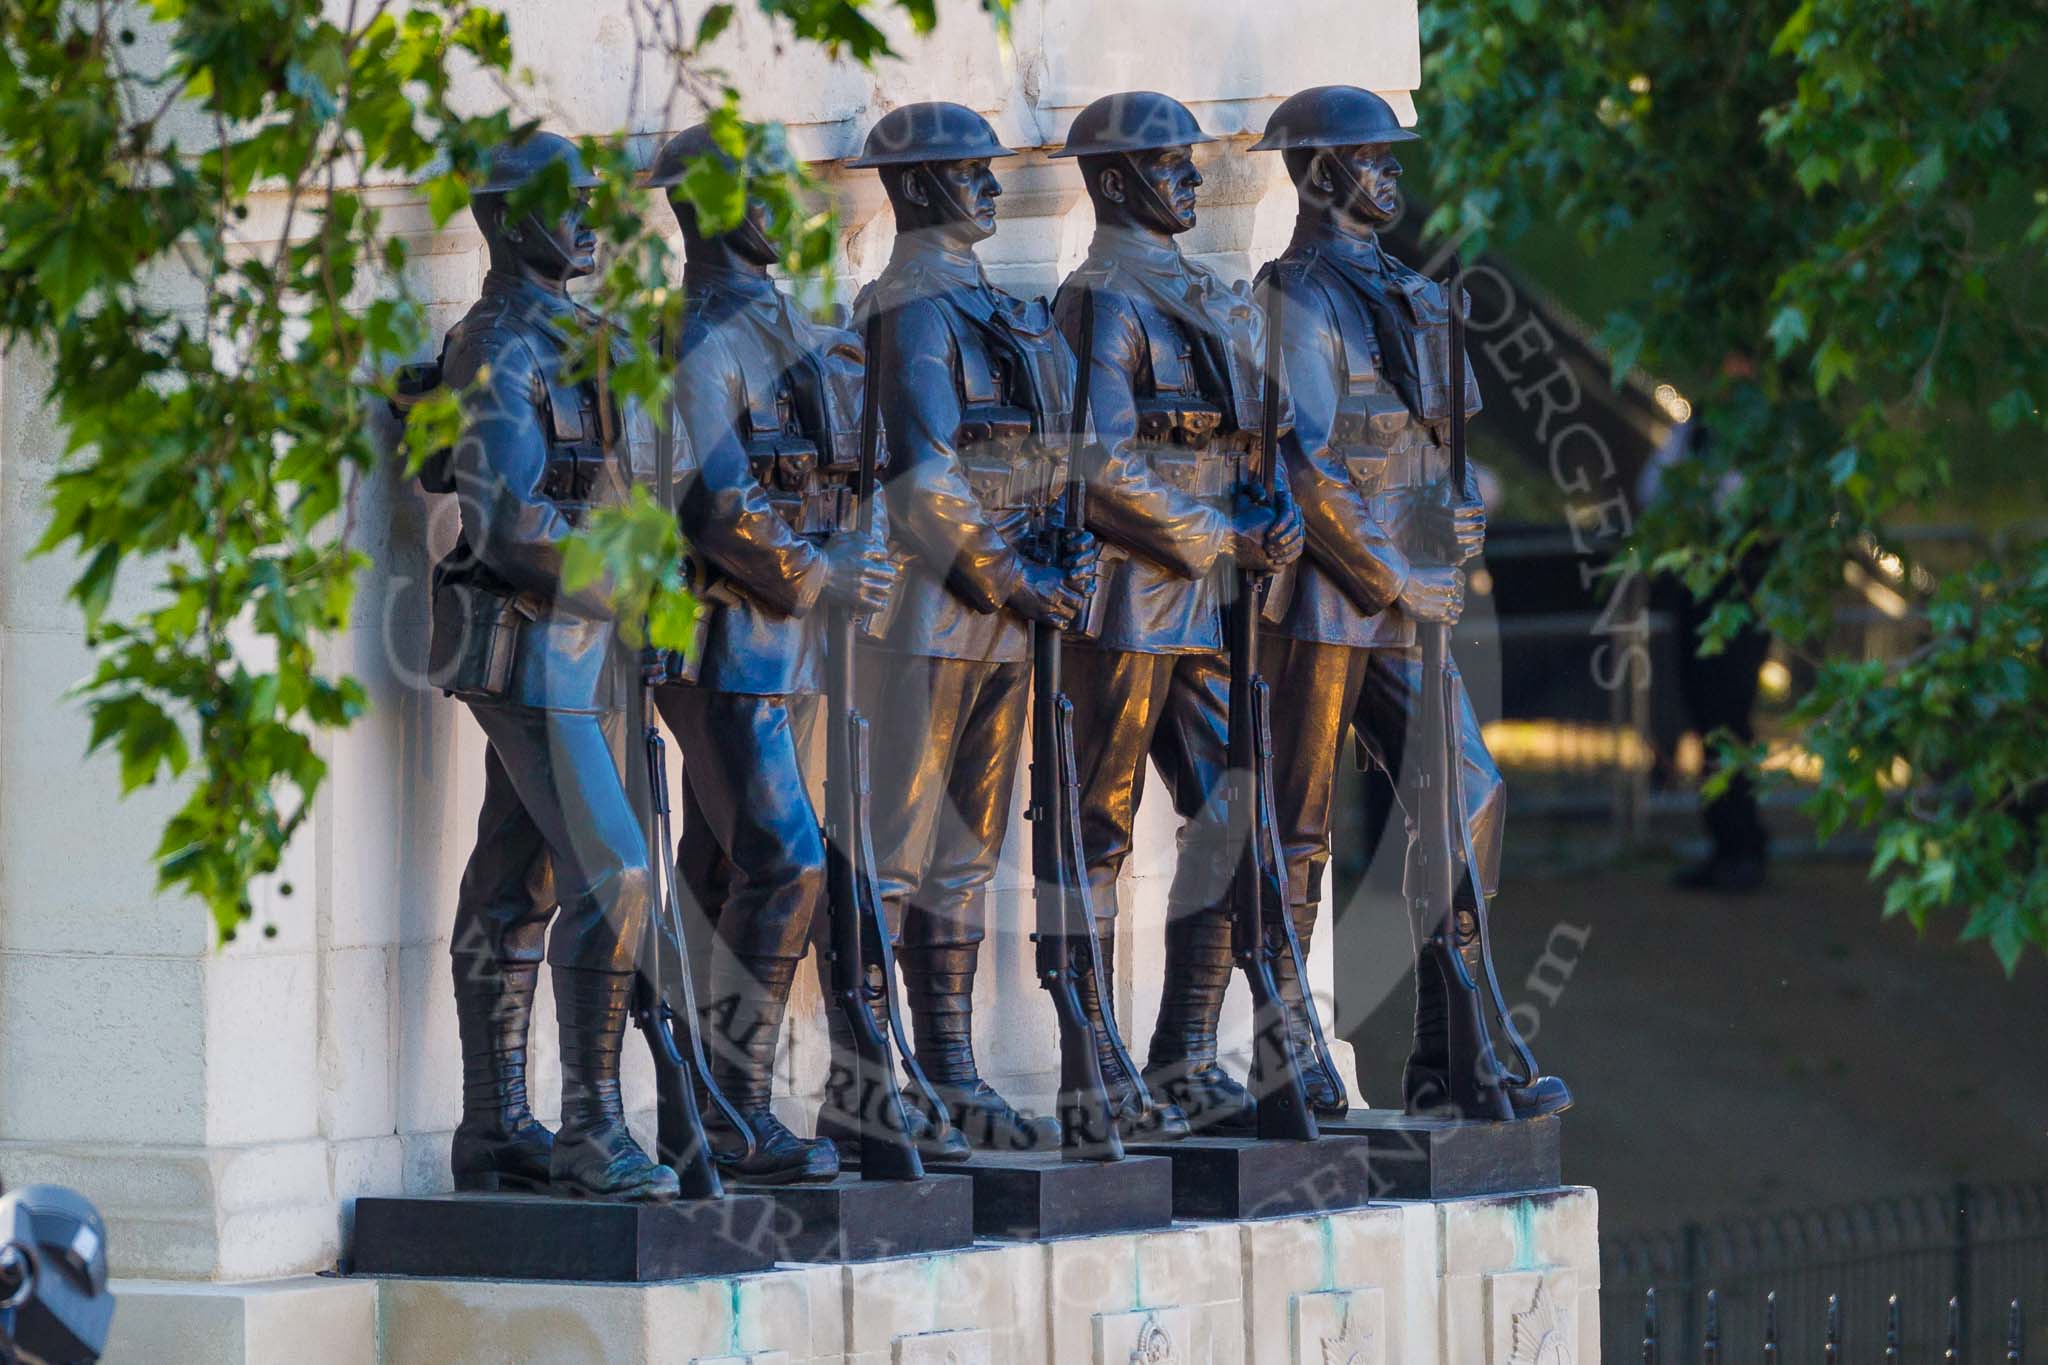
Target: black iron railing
[
  {"x": 1789, "y": 1275},
  {"x": 1718, "y": 1346}
]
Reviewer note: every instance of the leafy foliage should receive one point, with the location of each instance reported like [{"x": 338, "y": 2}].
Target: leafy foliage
[
  {"x": 186, "y": 240},
  {"x": 1850, "y": 206}
]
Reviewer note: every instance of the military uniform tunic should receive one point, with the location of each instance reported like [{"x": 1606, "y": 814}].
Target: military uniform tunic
[
  {"x": 976, "y": 405},
  {"x": 1176, "y": 394},
  {"x": 767, "y": 410},
  {"x": 1366, "y": 347}
]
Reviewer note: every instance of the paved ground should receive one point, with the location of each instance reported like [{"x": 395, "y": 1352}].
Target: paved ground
[{"x": 1740, "y": 1054}]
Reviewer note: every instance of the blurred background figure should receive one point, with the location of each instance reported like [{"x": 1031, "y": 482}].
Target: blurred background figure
[{"x": 1717, "y": 693}]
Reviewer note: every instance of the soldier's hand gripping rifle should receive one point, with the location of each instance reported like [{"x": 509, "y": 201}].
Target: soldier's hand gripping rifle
[
  {"x": 1441, "y": 835},
  {"x": 861, "y": 950},
  {"x": 1262, "y": 926},
  {"x": 1068, "y": 951},
  {"x": 664, "y": 1001}
]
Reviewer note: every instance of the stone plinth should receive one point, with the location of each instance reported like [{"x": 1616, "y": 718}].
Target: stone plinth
[{"x": 1455, "y": 1283}]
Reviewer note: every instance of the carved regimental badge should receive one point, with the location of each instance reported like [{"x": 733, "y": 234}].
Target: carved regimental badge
[
  {"x": 1352, "y": 1346},
  {"x": 1541, "y": 1332},
  {"x": 1154, "y": 1347}
]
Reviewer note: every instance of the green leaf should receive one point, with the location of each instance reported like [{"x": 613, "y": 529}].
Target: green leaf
[
  {"x": 718, "y": 193},
  {"x": 1787, "y": 329},
  {"x": 1622, "y": 338},
  {"x": 447, "y": 195},
  {"x": 715, "y": 21},
  {"x": 1833, "y": 364},
  {"x": 1818, "y": 170}
]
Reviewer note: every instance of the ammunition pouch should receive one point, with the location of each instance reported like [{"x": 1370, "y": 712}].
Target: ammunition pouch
[
  {"x": 574, "y": 478},
  {"x": 1012, "y": 472},
  {"x": 1366, "y": 432},
  {"x": 475, "y": 638},
  {"x": 1189, "y": 424},
  {"x": 813, "y": 501},
  {"x": 1188, "y": 447}
]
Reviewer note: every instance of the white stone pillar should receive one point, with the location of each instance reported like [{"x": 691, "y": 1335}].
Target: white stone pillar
[{"x": 178, "y": 1086}]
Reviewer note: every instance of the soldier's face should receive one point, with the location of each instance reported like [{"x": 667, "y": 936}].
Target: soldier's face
[
  {"x": 972, "y": 188},
  {"x": 750, "y": 240},
  {"x": 565, "y": 249},
  {"x": 1164, "y": 198},
  {"x": 1367, "y": 186}
]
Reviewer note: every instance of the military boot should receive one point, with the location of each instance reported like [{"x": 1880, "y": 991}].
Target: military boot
[
  {"x": 840, "y": 1114},
  {"x": 940, "y": 984},
  {"x": 742, "y": 1017},
  {"x": 1181, "y": 1064},
  {"x": 595, "y": 1155},
  {"x": 1326, "y": 1093},
  {"x": 498, "y": 1145},
  {"x": 1161, "y": 1121},
  {"x": 1425, "y": 1081}
]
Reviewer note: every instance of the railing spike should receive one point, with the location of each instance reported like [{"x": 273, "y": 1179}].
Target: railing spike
[
  {"x": 1832, "y": 1351},
  {"x": 1954, "y": 1353},
  {"x": 1710, "y": 1344},
  {"x": 2015, "y": 1335},
  {"x": 1771, "y": 1328},
  {"x": 1650, "y": 1332},
  {"x": 1892, "y": 1331}
]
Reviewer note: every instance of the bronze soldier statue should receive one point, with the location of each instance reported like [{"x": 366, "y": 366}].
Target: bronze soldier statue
[
  {"x": 767, "y": 402},
  {"x": 543, "y": 672},
  {"x": 975, "y": 396},
  {"x": 1367, "y": 353},
  {"x": 1175, "y": 377}
]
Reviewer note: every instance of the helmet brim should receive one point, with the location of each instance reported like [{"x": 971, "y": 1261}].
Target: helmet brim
[
  {"x": 581, "y": 180},
  {"x": 1118, "y": 148},
  {"x": 919, "y": 156}
]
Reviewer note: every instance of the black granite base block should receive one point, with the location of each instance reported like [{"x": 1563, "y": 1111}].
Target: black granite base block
[
  {"x": 852, "y": 1219},
  {"x": 1032, "y": 1196},
  {"x": 539, "y": 1237},
  {"x": 1217, "y": 1177},
  {"x": 1432, "y": 1158}
]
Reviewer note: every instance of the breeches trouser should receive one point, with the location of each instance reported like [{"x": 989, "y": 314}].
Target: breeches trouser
[
  {"x": 1318, "y": 691},
  {"x": 557, "y": 828},
  {"x": 1175, "y": 710},
  {"x": 946, "y": 737},
  {"x": 751, "y": 853}
]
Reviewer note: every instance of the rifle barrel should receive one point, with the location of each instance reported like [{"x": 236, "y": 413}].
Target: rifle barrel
[
  {"x": 870, "y": 427},
  {"x": 1456, "y": 289}
]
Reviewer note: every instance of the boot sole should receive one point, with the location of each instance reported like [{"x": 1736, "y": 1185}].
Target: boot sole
[{"x": 638, "y": 1194}]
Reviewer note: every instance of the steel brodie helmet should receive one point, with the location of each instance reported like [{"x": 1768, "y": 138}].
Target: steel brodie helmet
[
  {"x": 672, "y": 163},
  {"x": 1135, "y": 121},
  {"x": 1332, "y": 116},
  {"x": 936, "y": 131},
  {"x": 512, "y": 164}
]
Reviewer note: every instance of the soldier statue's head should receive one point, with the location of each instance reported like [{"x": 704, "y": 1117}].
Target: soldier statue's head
[
  {"x": 1137, "y": 154},
  {"x": 1339, "y": 144},
  {"x": 934, "y": 163},
  {"x": 550, "y": 250},
  {"x": 745, "y": 245}
]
